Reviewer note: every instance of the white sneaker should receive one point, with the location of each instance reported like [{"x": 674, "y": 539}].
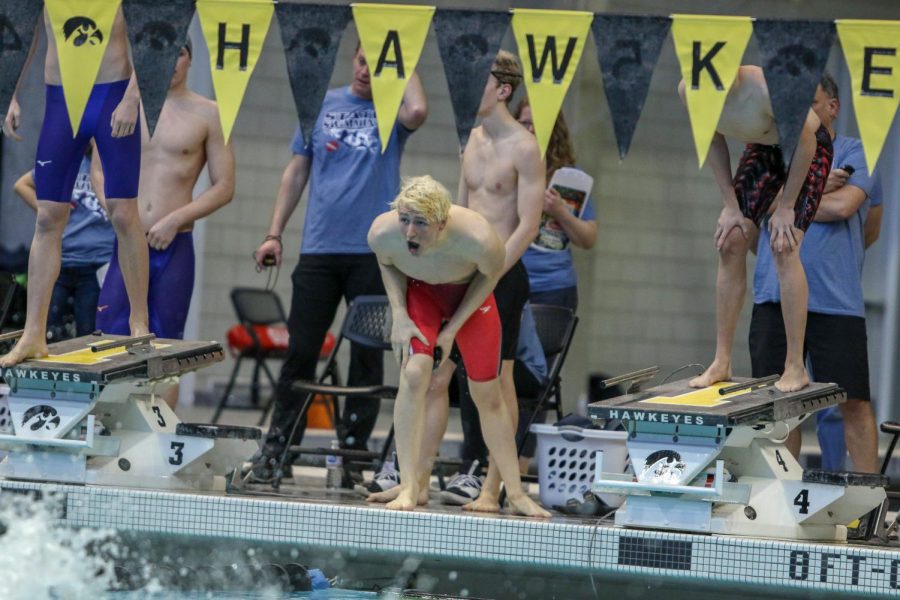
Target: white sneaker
[
  {"x": 388, "y": 477},
  {"x": 463, "y": 488}
]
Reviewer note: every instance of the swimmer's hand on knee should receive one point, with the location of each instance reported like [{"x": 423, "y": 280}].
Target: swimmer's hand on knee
[
  {"x": 403, "y": 331},
  {"x": 730, "y": 218},
  {"x": 784, "y": 236}
]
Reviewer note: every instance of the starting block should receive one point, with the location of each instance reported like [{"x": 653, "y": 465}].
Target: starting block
[
  {"x": 90, "y": 413},
  {"x": 712, "y": 460}
]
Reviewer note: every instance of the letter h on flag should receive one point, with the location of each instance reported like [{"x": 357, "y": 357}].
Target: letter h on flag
[{"x": 235, "y": 31}]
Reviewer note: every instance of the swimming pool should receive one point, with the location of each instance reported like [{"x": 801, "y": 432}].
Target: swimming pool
[{"x": 222, "y": 544}]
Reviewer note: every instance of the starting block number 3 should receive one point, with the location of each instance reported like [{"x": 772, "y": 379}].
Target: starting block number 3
[
  {"x": 160, "y": 420},
  {"x": 180, "y": 451},
  {"x": 177, "y": 448}
]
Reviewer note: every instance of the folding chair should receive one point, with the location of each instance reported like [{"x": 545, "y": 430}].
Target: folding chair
[
  {"x": 555, "y": 328},
  {"x": 367, "y": 323},
  {"x": 261, "y": 335},
  {"x": 876, "y": 523}
]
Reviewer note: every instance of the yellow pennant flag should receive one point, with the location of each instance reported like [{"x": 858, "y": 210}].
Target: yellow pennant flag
[
  {"x": 235, "y": 31},
  {"x": 81, "y": 30},
  {"x": 871, "y": 50},
  {"x": 550, "y": 44},
  {"x": 709, "y": 50},
  {"x": 392, "y": 36}
]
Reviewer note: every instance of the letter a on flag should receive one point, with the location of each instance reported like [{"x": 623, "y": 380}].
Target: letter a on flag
[
  {"x": 81, "y": 30},
  {"x": 550, "y": 44},
  {"x": 235, "y": 31},
  {"x": 709, "y": 50},
  {"x": 871, "y": 50},
  {"x": 392, "y": 36}
]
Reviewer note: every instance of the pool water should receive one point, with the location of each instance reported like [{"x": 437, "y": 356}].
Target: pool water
[{"x": 42, "y": 560}]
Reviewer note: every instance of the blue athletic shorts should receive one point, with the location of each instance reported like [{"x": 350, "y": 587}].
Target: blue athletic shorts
[
  {"x": 169, "y": 296},
  {"x": 59, "y": 153}
]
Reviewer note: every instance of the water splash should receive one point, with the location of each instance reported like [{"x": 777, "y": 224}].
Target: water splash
[{"x": 41, "y": 558}]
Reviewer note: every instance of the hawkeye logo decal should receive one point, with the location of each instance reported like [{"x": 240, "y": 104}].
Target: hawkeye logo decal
[{"x": 41, "y": 417}]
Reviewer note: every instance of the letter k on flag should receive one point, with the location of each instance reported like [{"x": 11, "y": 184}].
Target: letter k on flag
[{"x": 710, "y": 51}]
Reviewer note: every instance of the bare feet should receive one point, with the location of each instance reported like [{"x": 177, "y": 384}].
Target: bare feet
[
  {"x": 23, "y": 350},
  {"x": 484, "y": 503},
  {"x": 139, "y": 329},
  {"x": 793, "y": 379},
  {"x": 394, "y": 493},
  {"x": 407, "y": 499},
  {"x": 716, "y": 372},
  {"x": 523, "y": 505}
]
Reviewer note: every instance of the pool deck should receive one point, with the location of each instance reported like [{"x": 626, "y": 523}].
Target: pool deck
[{"x": 308, "y": 516}]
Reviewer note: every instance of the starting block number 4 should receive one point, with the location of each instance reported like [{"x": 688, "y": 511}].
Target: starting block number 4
[
  {"x": 802, "y": 502},
  {"x": 807, "y": 499}
]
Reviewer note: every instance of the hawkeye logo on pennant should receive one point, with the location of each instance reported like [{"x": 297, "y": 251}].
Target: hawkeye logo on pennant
[
  {"x": 82, "y": 30},
  {"x": 157, "y": 35}
]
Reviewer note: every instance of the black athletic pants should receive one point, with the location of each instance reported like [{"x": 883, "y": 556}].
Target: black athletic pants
[{"x": 320, "y": 282}]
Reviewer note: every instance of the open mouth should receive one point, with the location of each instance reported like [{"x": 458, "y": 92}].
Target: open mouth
[{"x": 413, "y": 246}]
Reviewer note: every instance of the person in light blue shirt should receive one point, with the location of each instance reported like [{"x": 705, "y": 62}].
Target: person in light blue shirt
[
  {"x": 350, "y": 183},
  {"x": 832, "y": 255},
  {"x": 548, "y": 261},
  {"x": 551, "y": 270},
  {"x": 87, "y": 245}
]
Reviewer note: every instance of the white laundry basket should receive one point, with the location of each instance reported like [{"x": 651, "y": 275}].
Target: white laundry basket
[{"x": 566, "y": 459}]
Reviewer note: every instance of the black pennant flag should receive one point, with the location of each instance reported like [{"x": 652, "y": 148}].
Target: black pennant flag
[
  {"x": 468, "y": 41},
  {"x": 157, "y": 29},
  {"x": 793, "y": 54},
  {"x": 17, "y": 24},
  {"x": 628, "y": 48},
  {"x": 311, "y": 34}
]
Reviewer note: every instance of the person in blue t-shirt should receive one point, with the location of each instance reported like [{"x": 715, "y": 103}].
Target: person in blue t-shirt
[
  {"x": 551, "y": 271},
  {"x": 832, "y": 256},
  {"x": 350, "y": 183},
  {"x": 87, "y": 245}
]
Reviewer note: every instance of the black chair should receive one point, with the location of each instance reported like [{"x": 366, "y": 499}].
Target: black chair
[
  {"x": 255, "y": 307},
  {"x": 367, "y": 323},
  {"x": 873, "y": 523},
  {"x": 555, "y": 328}
]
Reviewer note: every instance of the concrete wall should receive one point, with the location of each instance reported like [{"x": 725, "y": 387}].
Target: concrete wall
[{"x": 647, "y": 288}]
